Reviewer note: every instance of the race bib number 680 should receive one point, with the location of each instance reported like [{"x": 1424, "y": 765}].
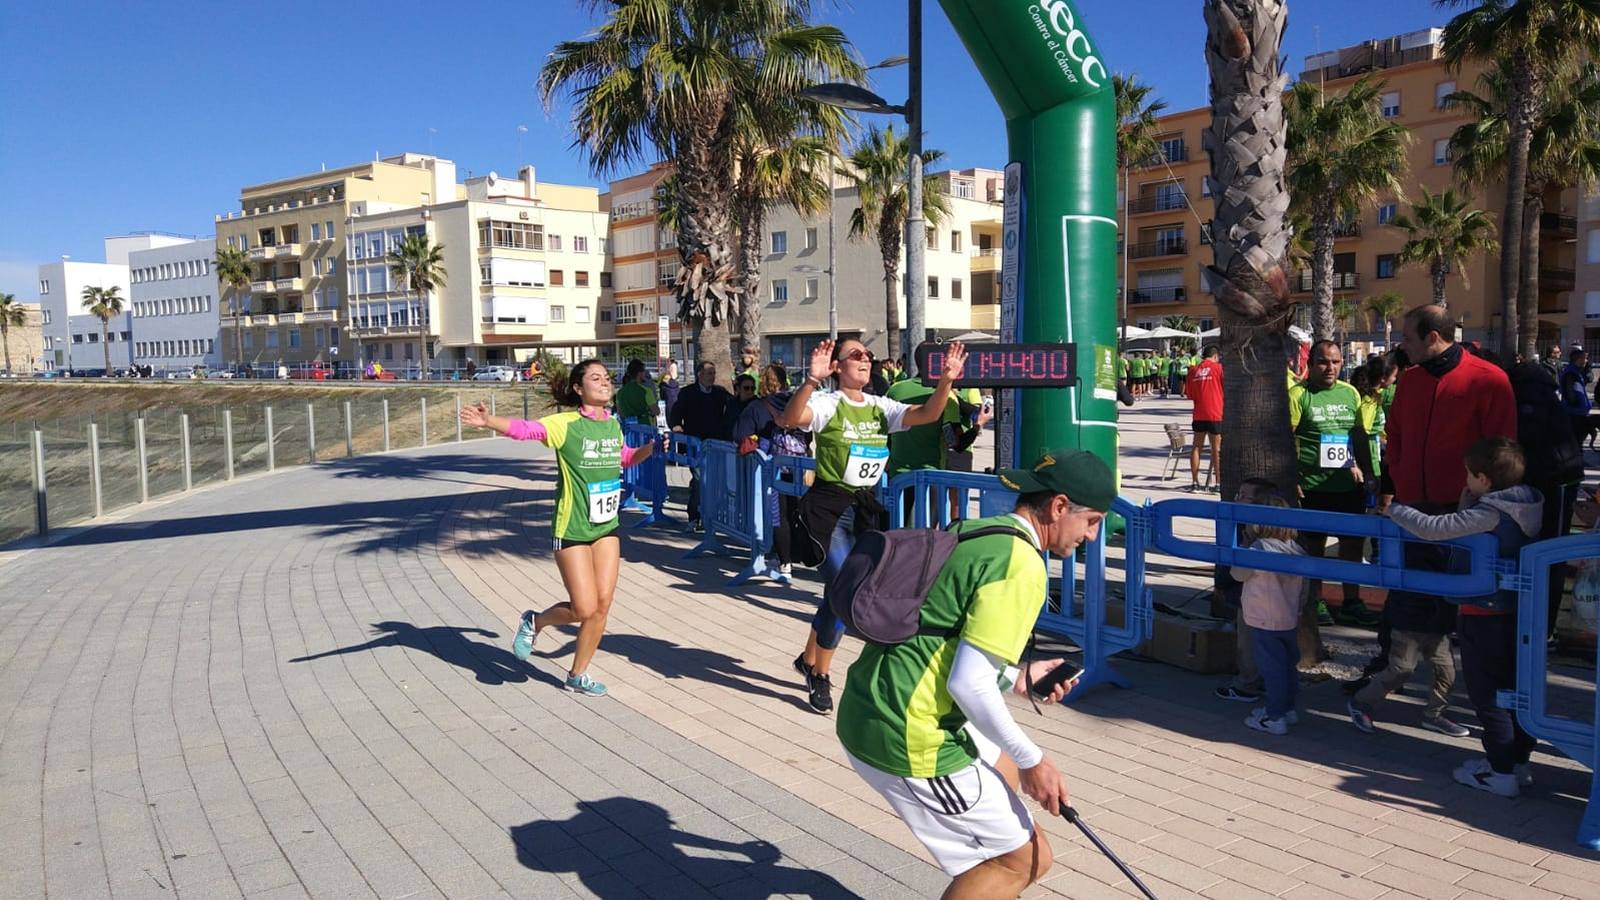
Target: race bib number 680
[{"x": 1335, "y": 452}]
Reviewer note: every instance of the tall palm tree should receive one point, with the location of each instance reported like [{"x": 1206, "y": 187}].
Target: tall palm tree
[
  {"x": 1342, "y": 152},
  {"x": 1538, "y": 40},
  {"x": 1137, "y": 127},
  {"x": 1250, "y": 278},
  {"x": 1386, "y": 307},
  {"x": 877, "y": 170},
  {"x": 774, "y": 170},
  {"x": 1564, "y": 149},
  {"x": 1441, "y": 233},
  {"x": 233, "y": 274},
  {"x": 12, "y": 315},
  {"x": 665, "y": 78},
  {"x": 1182, "y": 322},
  {"x": 418, "y": 263},
  {"x": 104, "y": 304}
]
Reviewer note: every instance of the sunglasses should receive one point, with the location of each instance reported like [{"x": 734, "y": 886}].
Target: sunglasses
[{"x": 860, "y": 355}]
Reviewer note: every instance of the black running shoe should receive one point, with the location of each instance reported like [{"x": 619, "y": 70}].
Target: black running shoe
[{"x": 821, "y": 693}]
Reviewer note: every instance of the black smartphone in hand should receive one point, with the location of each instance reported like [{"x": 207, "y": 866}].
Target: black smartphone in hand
[{"x": 1060, "y": 674}]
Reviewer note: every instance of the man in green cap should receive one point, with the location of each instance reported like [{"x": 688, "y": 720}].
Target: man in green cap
[{"x": 925, "y": 721}]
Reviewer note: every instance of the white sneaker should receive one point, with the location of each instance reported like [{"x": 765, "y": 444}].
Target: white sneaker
[
  {"x": 786, "y": 570},
  {"x": 1478, "y": 774},
  {"x": 1292, "y": 717},
  {"x": 1278, "y": 726}
]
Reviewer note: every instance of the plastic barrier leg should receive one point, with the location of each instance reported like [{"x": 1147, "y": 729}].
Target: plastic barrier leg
[
  {"x": 1589, "y": 827},
  {"x": 657, "y": 475},
  {"x": 1097, "y": 669}
]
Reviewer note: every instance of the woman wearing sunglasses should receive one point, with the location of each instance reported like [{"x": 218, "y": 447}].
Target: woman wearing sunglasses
[{"x": 851, "y": 429}]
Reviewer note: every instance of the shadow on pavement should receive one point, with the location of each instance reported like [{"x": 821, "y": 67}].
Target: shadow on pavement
[
  {"x": 491, "y": 664},
  {"x": 671, "y": 660},
  {"x": 620, "y": 827}
]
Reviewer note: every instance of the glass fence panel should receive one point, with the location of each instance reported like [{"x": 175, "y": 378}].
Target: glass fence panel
[
  {"x": 366, "y": 415},
  {"x": 66, "y": 467},
  {"x": 289, "y": 433},
  {"x": 163, "y": 442},
  {"x": 405, "y": 419},
  {"x": 17, "y": 518},
  {"x": 119, "y": 460},
  {"x": 328, "y": 425},
  {"x": 442, "y": 416},
  {"x": 249, "y": 439},
  {"x": 207, "y": 445}
]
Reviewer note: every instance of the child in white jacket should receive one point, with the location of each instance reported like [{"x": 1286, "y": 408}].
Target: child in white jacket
[{"x": 1271, "y": 603}]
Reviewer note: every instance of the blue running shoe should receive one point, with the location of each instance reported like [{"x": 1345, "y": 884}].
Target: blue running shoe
[
  {"x": 522, "y": 644},
  {"x": 585, "y": 685}
]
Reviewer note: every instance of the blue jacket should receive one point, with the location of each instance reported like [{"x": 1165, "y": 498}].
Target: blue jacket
[{"x": 1575, "y": 390}]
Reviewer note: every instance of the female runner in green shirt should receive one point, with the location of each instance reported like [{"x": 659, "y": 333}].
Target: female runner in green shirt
[{"x": 590, "y": 456}]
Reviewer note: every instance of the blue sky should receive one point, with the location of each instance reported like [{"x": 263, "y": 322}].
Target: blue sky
[{"x": 119, "y": 117}]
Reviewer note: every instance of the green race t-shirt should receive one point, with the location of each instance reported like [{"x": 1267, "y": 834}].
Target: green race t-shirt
[
  {"x": 922, "y": 446},
  {"x": 637, "y": 400},
  {"x": 1374, "y": 421},
  {"x": 852, "y": 445},
  {"x": 896, "y": 713},
  {"x": 589, "y": 491},
  {"x": 1322, "y": 422}
]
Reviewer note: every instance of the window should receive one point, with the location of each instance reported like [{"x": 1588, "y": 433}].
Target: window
[
  {"x": 933, "y": 288},
  {"x": 955, "y": 289},
  {"x": 605, "y": 315},
  {"x": 1387, "y": 212},
  {"x": 1442, "y": 91},
  {"x": 811, "y": 239},
  {"x": 581, "y": 314},
  {"x": 558, "y": 313},
  {"x": 955, "y": 242},
  {"x": 1386, "y": 265},
  {"x": 272, "y": 340},
  {"x": 555, "y": 243},
  {"x": 316, "y": 231},
  {"x": 580, "y": 278},
  {"x": 1391, "y": 104},
  {"x": 332, "y": 262},
  {"x": 512, "y": 235},
  {"x": 318, "y": 337},
  {"x": 605, "y": 279},
  {"x": 249, "y": 340},
  {"x": 44, "y": 285},
  {"x": 1592, "y": 258},
  {"x": 780, "y": 290},
  {"x": 780, "y": 242},
  {"x": 811, "y": 288},
  {"x": 410, "y": 350},
  {"x": 294, "y": 339},
  {"x": 961, "y": 188},
  {"x": 933, "y": 239},
  {"x": 388, "y": 351},
  {"x": 1441, "y": 152},
  {"x": 580, "y": 245},
  {"x": 557, "y": 278},
  {"x": 484, "y": 276},
  {"x": 1172, "y": 149},
  {"x": 333, "y": 338},
  {"x": 327, "y": 229},
  {"x": 316, "y": 267},
  {"x": 1205, "y": 233}
]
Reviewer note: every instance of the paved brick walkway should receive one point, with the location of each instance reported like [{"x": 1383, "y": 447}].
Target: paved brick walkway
[{"x": 160, "y": 730}]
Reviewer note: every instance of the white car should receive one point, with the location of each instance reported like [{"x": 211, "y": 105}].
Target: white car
[{"x": 495, "y": 373}]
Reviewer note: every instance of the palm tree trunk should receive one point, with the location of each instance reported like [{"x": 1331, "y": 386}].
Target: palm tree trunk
[
  {"x": 889, "y": 241},
  {"x": 1123, "y": 324},
  {"x": 1245, "y": 143},
  {"x": 1436, "y": 271},
  {"x": 5, "y": 339},
  {"x": 891, "y": 315},
  {"x": 1528, "y": 288},
  {"x": 1388, "y": 335},
  {"x": 105, "y": 342},
  {"x": 751, "y": 228},
  {"x": 705, "y": 195},
  {"x": 1322, "y": 275},
  {"x": 238, "y": 331},
  {"x": 1520, "y": 114}
]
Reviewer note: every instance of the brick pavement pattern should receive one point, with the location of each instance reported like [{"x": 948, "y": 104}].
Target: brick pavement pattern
[{"x": 158, "y": 733}]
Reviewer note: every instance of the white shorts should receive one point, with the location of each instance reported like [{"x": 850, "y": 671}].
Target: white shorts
[{"x": 964, "y": 818}]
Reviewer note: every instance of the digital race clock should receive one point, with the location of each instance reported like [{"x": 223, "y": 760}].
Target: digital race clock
[{"x": 1005, "y": 365}]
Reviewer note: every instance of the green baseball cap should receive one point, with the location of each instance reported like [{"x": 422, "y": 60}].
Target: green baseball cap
[{"x": 1079, "y": 474}]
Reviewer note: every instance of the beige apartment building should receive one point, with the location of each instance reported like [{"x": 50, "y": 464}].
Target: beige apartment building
[
  {"x": 642, "y": 265},
  {"x": 1584, "y": 313},
  {"x": 1167, "y": 213},
  {"x": 524, "y": 265},
  {"x": 294, "y": 231}
]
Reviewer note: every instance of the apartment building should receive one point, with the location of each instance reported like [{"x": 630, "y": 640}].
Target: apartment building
[
  {"x": 643, "y": 265},
  {"x": 173, "y": 305},
  {"x": 72, "y": 336},
  {"x": 1167, "y": 213},
  {"x": 525, "y": 262},
  {"x": 294, "y": 232}
]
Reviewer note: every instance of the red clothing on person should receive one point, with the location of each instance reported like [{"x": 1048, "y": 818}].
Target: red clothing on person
[
  {"x": 1435, "y": 418},
  {"x": 1204, "y": 387}
]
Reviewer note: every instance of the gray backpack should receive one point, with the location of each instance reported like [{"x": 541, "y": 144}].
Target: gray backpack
[{"x": 879, "y": 590}]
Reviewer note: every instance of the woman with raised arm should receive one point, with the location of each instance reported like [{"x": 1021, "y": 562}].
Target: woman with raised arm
[
  {"x": 590, "y": 457},
  {"x": 851, "y": 429}
]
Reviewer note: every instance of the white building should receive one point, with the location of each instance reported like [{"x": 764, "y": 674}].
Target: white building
[
  {"x": 72, "y": 337},
  {"x": 175, "y": 316}
]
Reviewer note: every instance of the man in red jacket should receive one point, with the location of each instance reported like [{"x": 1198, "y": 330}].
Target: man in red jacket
[{"x": 1204, "y": 388}]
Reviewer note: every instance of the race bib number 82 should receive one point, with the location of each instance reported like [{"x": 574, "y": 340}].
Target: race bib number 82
[{"x": 865, "y": 465}]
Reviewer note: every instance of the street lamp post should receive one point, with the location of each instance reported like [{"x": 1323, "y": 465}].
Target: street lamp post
[{"x": 916, "y": 228}]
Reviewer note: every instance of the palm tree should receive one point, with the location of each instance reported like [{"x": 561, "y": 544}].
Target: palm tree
[
  {"x": 1345, "y": 311},
  {"x": 1182, "y": 322},
  {"x": 12, "y": 315},
  {"x": 1537, "y": 40},
  {"x": 1564, "y": 149},
  {"x": 1386, "y": 307},
  {"x": 877, "y": 171},
  {"x": 419, "y": 263},
  {"x": 665, "y": 78},
  {"x": 1442, "y": 232},
  {"x": 233, "y": 273},
  {"x": 1250, "y": 278},
  {"x": 1137, "y": 128},
  {"x": 1342, "y": 152},
  {"x": 104, "y": 304},
  {"x": 775, "y": 167}
]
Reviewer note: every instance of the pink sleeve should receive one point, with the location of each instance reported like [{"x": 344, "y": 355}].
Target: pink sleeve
[
  {"x": 628, "y": 453},
  {"x": 524, "y": 430}
]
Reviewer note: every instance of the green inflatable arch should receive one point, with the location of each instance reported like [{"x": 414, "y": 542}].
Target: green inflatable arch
[{"x": 1055, "y": 92}]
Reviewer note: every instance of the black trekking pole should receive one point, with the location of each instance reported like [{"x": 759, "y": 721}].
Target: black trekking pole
[{"x": 1072, "y": 816}]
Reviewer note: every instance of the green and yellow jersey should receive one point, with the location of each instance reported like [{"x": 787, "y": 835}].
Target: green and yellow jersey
[{"x": 589, "y": 458}]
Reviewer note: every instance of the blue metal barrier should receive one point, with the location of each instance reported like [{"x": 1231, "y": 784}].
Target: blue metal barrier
[
  {"x": 733, "y": 506},
  {"x": 645, "y": 483},
  {"x": 1530, "y": 701}
]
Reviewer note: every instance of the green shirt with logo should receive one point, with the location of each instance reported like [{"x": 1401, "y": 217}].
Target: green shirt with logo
[
  {"x": 589, "y": 491},
  {"x": 637, "y": 400},
  {"x": 921, "y": 446},
  {"x": 896, "y": 713},
  {"x": 1323, "y": 422},
  {"x": 852, "y": 446}
]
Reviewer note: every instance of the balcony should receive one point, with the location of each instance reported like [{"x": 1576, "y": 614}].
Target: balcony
[
  {"x": 320, "y": 315},
  {"x": 1149, "y": 249},
  {"x": 986, "y": 259},
  {"x": 1555, "y": 279},
  {"x": 1175, "y": 152},
  {"x": 287, "y": 251},
  {"x": 294, "y": 284},
  {"x": 1342, "y": 281},
  {"x": 1174, "y": 294},
  {"x": 1558, "y": 225},
  {"x": 1342, "y": 230},
  {"x": 265, "y": 286},
  {"x": 1157, "y": 203},
  {"x": 260, "y": 254}
]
